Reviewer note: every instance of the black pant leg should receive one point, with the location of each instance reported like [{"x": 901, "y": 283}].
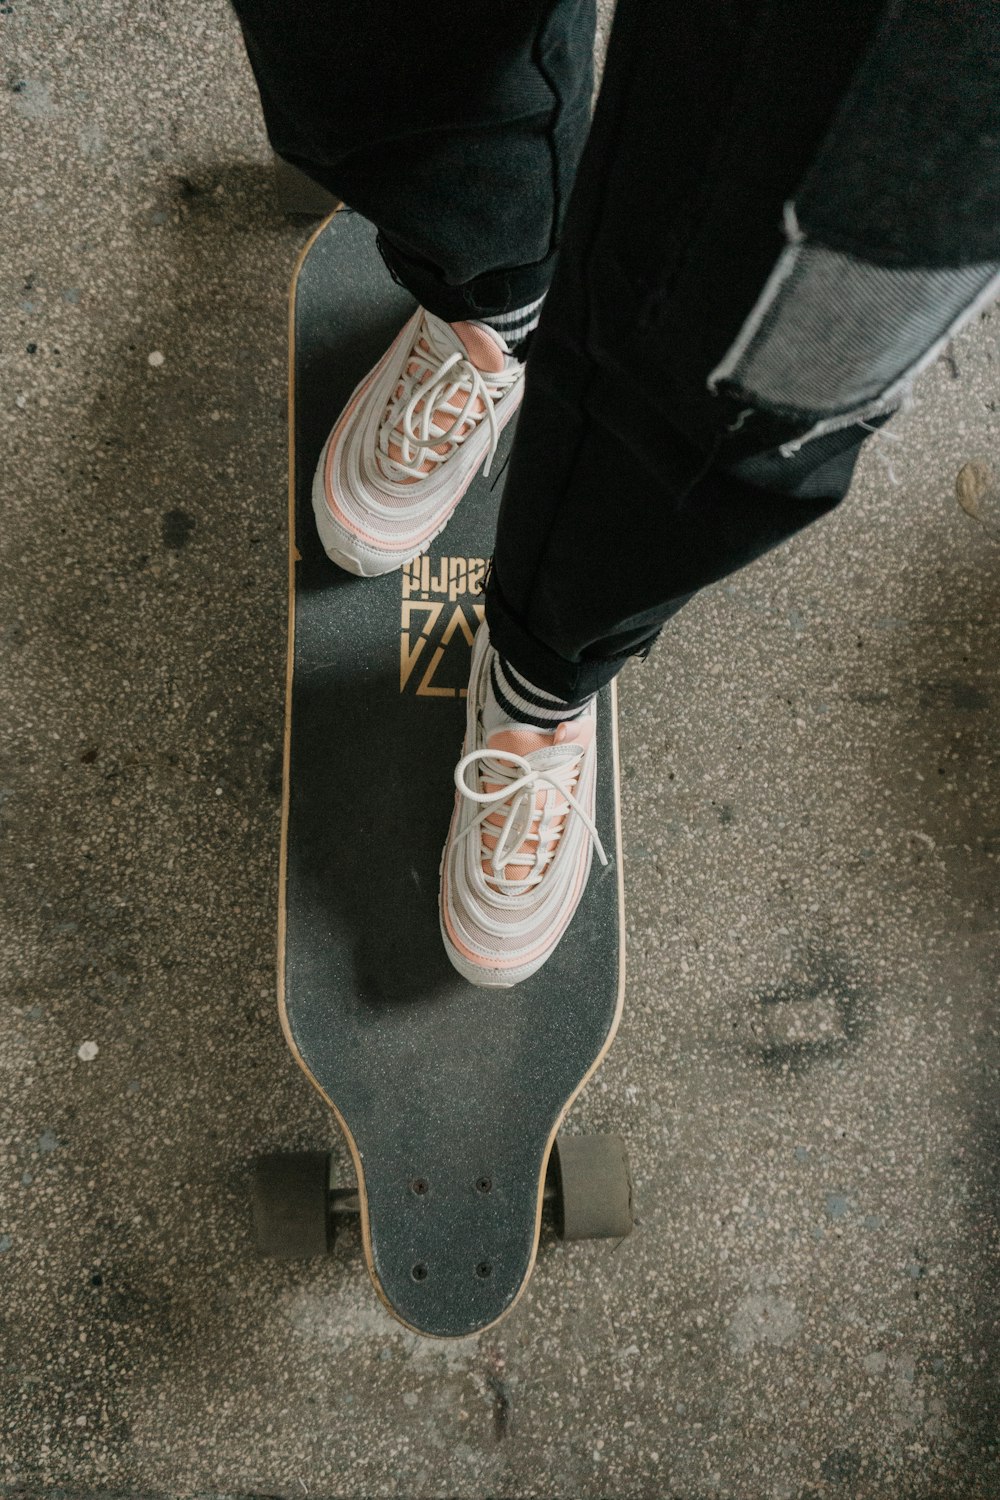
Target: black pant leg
[
  {"x": 455, "y": 127},
  {"x": 664, "y": 440}
]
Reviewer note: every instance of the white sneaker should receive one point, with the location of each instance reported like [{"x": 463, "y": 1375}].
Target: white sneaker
[
  {"x": 410, "y": 441},
  {"x": 521, "y": 839}
]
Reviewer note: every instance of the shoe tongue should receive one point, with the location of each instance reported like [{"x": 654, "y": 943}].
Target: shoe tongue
[
  {"x": 483, "y": 345},
  {"x": 543, "y": 748}
]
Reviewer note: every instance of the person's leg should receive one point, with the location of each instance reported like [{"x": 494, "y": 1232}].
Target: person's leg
[
  {"x": 781, "y": 209},
  {"x": 455, "y": 128}
]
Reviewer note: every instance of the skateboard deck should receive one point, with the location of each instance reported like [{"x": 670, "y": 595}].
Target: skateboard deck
[{"x": 449, "y": 1095}]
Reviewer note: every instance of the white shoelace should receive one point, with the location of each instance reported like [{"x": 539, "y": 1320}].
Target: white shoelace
[
  {"x": 415, "y": 433},
  {"x": 516, "y": 832}
]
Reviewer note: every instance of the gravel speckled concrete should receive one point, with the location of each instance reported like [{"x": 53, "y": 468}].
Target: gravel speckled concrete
[{"x": 807, "y": 1068}]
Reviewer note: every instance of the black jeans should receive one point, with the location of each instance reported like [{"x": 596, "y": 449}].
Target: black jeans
[{"x": 780, "y": 213}]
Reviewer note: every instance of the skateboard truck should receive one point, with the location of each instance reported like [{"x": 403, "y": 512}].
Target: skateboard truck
[{"x": 296, "y": 1201}]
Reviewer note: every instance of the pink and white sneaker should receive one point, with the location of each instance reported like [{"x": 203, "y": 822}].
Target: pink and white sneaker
[
  {"x": 521, "y": 840},
  {"x": 410, "y": 441}
]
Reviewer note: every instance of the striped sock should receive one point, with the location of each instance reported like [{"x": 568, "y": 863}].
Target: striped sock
[
  {"x": 512, "y": 698},
  {"x": 515, "y": 326}
]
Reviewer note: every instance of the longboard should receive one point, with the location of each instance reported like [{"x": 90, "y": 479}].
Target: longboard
[{"x": 449, "y": 1096}]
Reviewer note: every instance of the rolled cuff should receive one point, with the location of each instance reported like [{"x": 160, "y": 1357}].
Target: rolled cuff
[{"x": 492, "y": 293}]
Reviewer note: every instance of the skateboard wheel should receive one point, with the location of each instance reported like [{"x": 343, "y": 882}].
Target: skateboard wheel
[
  {"x": 594, "y": 1187},
  {"x": 291, "y": 1204}
]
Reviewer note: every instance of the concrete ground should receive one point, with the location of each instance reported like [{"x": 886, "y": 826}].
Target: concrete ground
[{"x": 807, "y": 1067}]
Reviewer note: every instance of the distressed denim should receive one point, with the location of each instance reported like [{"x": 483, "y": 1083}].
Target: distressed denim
[{"x": 780, "y": 214}]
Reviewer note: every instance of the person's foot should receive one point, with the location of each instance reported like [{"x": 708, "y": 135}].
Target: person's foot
[
  {"x": 521, "y": 839},
  {"x": 410, "y": 441}
]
